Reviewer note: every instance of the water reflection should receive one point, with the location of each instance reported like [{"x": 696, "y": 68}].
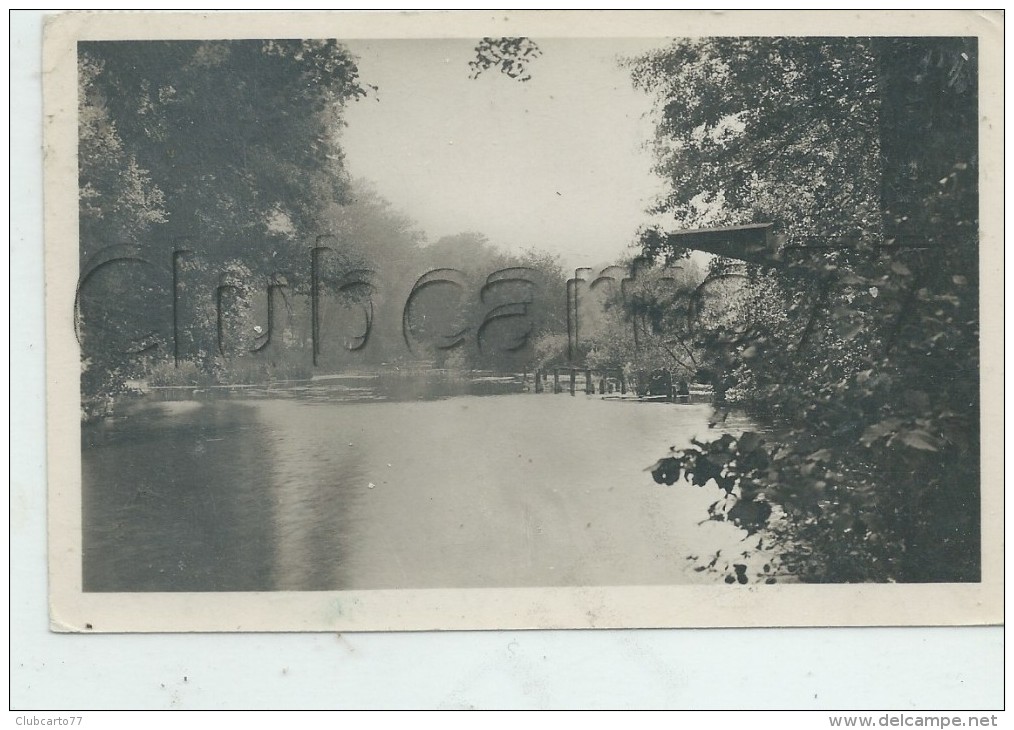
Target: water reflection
[
  {"x": 254, "y": 492},
  {"x": 315, "y": 481},
  {"x": 173, "y": 499}
]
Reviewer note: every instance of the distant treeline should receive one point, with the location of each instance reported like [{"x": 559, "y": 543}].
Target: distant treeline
[{"x": 220, "y": 235}]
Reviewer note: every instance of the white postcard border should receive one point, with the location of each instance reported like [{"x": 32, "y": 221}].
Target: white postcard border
[{"x": 528, "y": 608}]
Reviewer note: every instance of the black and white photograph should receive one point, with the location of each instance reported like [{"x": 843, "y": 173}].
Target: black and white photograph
[{"x": 540, "y": 330}]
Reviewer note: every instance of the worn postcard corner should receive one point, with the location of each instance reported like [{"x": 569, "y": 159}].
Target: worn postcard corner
[{"x": 370, "y": 322}]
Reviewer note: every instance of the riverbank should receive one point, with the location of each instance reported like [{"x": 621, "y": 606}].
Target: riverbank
[{"x": 391, "y": 384}]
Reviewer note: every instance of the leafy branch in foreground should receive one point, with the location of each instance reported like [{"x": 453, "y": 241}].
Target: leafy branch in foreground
[{"x": 511, "y": 56}]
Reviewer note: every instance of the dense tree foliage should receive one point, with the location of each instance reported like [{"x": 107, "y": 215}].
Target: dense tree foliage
[
  {"x": 242, "y": 137},
  {"x": 775, "y": 129},
  {"x": 645, "y": 320},
  {"x": 859, "y": 343},
  {"x": 204, "y": 168}
]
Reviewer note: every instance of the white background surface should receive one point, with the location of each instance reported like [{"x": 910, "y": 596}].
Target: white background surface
[{"x": 900, "y": 669}]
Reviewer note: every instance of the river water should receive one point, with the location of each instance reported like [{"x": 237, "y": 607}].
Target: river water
[{"x": 291, "y": 490}]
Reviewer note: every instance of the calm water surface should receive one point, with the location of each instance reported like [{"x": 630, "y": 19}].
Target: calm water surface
[{"x": 257, "y": 492}]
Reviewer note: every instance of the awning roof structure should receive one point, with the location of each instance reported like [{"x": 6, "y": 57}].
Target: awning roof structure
[{"x": 754, "y": 243}]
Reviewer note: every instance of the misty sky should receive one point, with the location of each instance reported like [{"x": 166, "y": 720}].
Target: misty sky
[{"x": 559, "y": 163}]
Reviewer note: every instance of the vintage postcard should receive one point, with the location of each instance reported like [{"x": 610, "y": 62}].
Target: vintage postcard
[{"x": 485, "y": 320}]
